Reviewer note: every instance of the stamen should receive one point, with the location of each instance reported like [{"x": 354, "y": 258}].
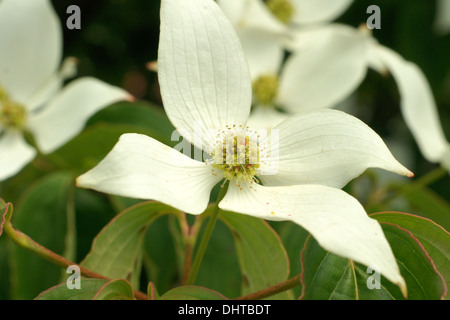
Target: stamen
[
  {"x": 282, "y": 9},
  {"x": 236, "y": 153},
  {"x": 265, "y": 89},
  {"x": 12, "y": 114}
]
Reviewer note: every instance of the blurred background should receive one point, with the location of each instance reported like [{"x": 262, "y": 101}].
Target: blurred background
[{"x": 119, "y": 37}]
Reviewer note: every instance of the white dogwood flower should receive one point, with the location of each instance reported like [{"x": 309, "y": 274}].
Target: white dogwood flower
[
  {"x": 274, "y": 15},
  {"x": 31, "y": 98},
  {"x": 206, "y": 91},
  {"x": 361, "y": 51},
  {"x": 278, "y": 83}
]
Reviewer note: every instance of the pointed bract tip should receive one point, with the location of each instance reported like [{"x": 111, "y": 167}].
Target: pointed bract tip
[
  {"x": 410, "y": 174},
  {"x": 130, "y": 98},
  {"x": 78, "y": 182},
  {"x": 152, "y": 66},
  {"x": 403, "y": 289}
]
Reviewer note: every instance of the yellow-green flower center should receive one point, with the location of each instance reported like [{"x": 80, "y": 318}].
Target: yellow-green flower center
[
  {"x": 236, "y": 154},
  {"x": 12, "y": 114},
  {"x": 265, "y": 89},
  {"x": 282, "y": 9}
]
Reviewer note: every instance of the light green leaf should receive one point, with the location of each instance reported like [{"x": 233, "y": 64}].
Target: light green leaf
[
  {"x": 41, "y": 213},
  {"x": 152, "y": 292},
  {"x": 192, "y": 293},
  {"x": 115, "y": 290},
  {"x": 117, "y": 250},
  {"x": 87, "y": 291},
  {"x": 262, "y": 257}
]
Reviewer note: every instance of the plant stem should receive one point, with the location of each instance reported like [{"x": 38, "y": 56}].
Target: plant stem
[
  {"x": 190, "y": 236},
  {"x": 432, "y": 176},
  {"x": 427, "y": 179},
  {"x": 26, "y": 242},
  {"x": 270, "y": 291},
  {"x": 206, "y": 236}
]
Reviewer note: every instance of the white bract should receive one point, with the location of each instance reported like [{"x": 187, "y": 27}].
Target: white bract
[
  {"x": 417, "y": 103},
  {"x": 327, "y": 63},
  {"x": 297, "y": 83},
  {"x": 31, "y": 97},
  {"x": 206, "y": 90}
]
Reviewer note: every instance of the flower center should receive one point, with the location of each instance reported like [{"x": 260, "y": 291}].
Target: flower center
[
  {"x": 12, "y": 114},
  {"x": 265, "y": 89},
  {"x": 282, "y": 9},
  {"x": 236, "y": 154}
]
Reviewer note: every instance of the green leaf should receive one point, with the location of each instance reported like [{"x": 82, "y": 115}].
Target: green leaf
[
  {"x": 152, "y": 292},
  {"x": 262, "y": 257},
  {"x": 93, "y": 212},
  {"x": 219, "y": 269},
  {"x": 192, "y": 293},
  {"x": 426, "y": 203},
  {"x": 293, "y": 237},
  {"x": 117, "y": 250},
  {"x": 2, "y": 205},
  {"x": 138, "y": 113},
  {"x": 87, "y": 291},
  {"x": 5, "y": 216},
  {"x": 328, "y": 276},
  {"x": 41, "y": 214},
  {"x": 160, "y": 257},
  {"x": 115, "y": 290},
  {"x": 4, "y": 269},
  {"x": 13, "y": 188},
  {"x": 434, "y": 238}
]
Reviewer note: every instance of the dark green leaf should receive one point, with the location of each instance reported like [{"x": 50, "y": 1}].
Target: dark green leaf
[
  {"x": 293, "y": 237},
  {"x": 434, "y": 238},
  {"x": 220, "y": 266},
  {"x": 42, "y": 215},
  {"x": 139, "y": 113},
  {"x": 93, "y": 212},
  {"x": 117, "y": 250},
  {"x": 328, "y": 276},
  {"x": 426, "y": 203},
  {"x": 160, "y": 257},
  {"x": 92, "y": 145},
  {"x": 262, "y": 257}
]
